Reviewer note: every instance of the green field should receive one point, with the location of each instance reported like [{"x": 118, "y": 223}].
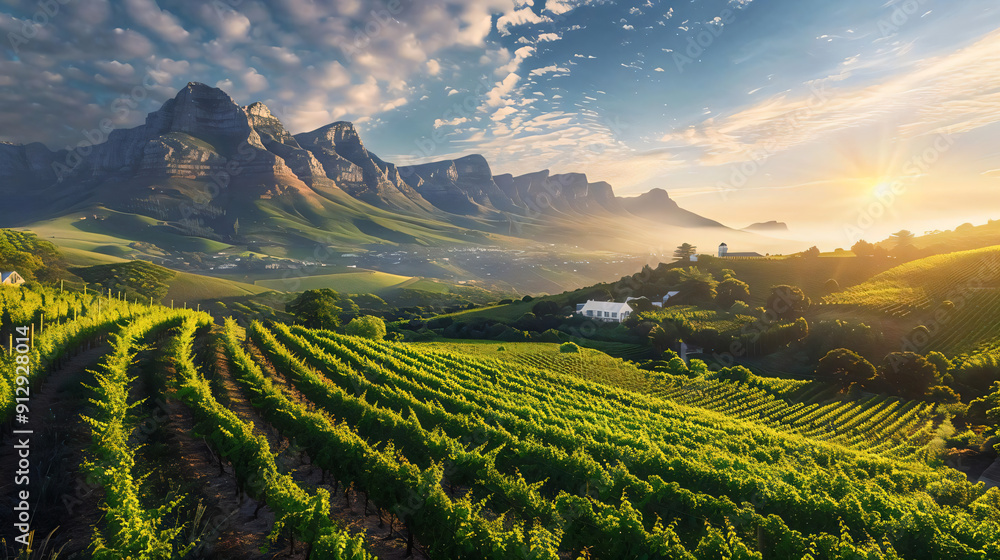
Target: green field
[
  {"x": 115, "y": 232},
  {"x": 369, "y": 281},
  {"x": 195, "y": 288}
]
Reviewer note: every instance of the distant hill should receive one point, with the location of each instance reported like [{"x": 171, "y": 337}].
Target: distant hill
[{"x": 767, "y": 226}]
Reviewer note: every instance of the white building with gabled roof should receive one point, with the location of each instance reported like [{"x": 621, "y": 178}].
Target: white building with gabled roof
[
  {"x": 609, "y": 311},
  {"x": 11, "y": 278}
]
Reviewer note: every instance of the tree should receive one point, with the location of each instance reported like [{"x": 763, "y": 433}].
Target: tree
[
  {"x": 731, "y": 290},
  {"x": 640, "y": 304},
  {"x": 846, "y": 368},
  {"x": 546, "y": 307},
  {"x": 684, "y": 251},
  {"x": 907, "y": 373},
  {"x": 696, "y": 286},
  {"x": 367, "y": 326},
  {"x": 787, "y": 302},
  {"x": 316, "y": 309},
  {"x": 986, "y": 409},
  {"x": 902, "y": 238},
  {"x": 811, "y": 252},
  {"x": 660, "y": 339},
  {"x": 942, "y": 366},
  {"x": 863, "y": 248}
]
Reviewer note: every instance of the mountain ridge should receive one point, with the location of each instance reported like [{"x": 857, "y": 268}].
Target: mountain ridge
[{"x": 202, "y": 136}]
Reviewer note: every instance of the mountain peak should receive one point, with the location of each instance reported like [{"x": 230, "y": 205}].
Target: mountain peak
[
  {"x": 258, "y": 109},
  {"x": 772, "y": 225}
]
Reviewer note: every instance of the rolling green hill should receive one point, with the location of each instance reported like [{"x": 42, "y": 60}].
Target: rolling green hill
[
  {"x": 368, "y": 281},
  {"x": 956, "y": 296}
]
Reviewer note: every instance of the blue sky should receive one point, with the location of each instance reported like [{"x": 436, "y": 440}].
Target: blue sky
[{"x": 827, "y": 115}]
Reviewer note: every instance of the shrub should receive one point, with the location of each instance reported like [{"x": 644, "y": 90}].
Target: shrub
[
  {"x": 546, "y": 307},
  {"x": 367, "y": 326},
  {"x": 569, "y": 348},
  {"x": 943, "y": 394},
  {"x": 735, "y": 373}
]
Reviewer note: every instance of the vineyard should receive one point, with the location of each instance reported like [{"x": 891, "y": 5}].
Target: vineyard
[
  {"x": 321, "y": 445},
  {"x": 920, "y": 284}
]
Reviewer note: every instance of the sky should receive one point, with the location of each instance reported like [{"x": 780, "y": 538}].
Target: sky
[{"x": 849, "y": 119}]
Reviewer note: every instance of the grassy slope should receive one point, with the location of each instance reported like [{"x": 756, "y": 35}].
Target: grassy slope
[
  {"x": 917, "y": 290},
  {"x": 195, "y": 288},
  {"x": 115, "y": 233},
  {"x": 347, "y": 282}
]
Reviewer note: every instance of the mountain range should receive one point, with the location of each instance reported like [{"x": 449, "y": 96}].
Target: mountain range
[{"x": 203, "y": 165}]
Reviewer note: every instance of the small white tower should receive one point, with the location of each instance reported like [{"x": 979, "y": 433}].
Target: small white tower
[{"x": 723, "y": 249}]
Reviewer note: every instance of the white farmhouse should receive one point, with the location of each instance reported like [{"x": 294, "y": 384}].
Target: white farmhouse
[
  {"x": 605, "y": 311},
  {"x": 11, "y": 278}
]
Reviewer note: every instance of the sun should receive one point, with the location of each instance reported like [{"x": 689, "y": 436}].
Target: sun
[{"x": 882, "y": 188}]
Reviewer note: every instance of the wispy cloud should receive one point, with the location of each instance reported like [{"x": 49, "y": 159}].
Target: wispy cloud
[{"x": 951, "y": 93}]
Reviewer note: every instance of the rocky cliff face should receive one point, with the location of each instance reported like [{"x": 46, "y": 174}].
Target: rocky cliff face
[
  {"x": 571, "y": 193},
  {"x": 199, "y": 133},
  {"x": 202, "y": 134},
  {"x": 343, "y": 156},
  {"x": 462, "y": 186},
  {"x": 28, "y": 162},
  {"x": 278, "y": 141}
]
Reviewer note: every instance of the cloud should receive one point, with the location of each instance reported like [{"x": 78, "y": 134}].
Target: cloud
[
  {"x": 498, "y": 95},
  {"x": 502, "y": 113},
  {"x": 438, "y": 123},
  {"x": 520, "y": 55},
  {"x": 253, "y": 81},
  {"x": 433, "y": 67},
  {"x": 953, "y": 93},
  {"x": 547, "y": 69},
  {"x": 115, "y": 68},
  {"x": 148, "y": 14},
  {"x": 518, "y": 17},
  {"x": 548, "y": 37}
]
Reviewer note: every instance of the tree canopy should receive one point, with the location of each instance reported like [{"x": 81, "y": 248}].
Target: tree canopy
[
  {"x": 317, "y": 309},
  {"x": 787, "y": 302},
  {"x": 731, "y": 290},
  {"x": 907, "y": 373},
  {"x": 846, "y": 368},
  {"x": 684, "y": 251},
  {"x": 367, "y": 326}
]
